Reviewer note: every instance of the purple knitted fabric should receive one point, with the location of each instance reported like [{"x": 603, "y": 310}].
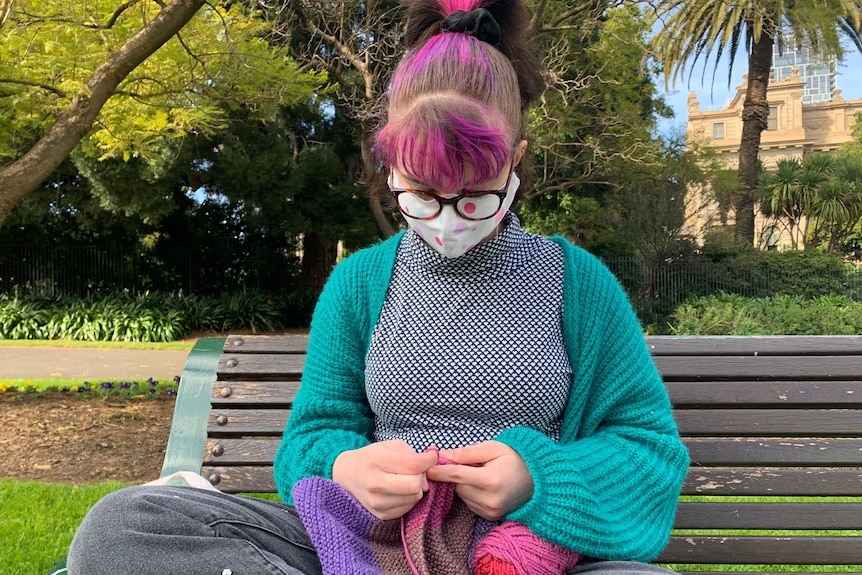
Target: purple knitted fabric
[{"x": 434, "y": 537}]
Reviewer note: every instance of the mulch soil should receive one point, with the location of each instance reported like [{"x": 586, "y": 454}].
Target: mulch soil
[{"x": 62, "y": 439}]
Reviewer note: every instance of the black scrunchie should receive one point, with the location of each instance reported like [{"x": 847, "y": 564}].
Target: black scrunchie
[{"x": 478, "y": 23}]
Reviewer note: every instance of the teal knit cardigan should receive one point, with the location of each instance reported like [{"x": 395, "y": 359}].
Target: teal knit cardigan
[{"x": 607, "y": 489}]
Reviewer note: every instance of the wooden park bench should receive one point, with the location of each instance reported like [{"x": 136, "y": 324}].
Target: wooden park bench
[{"x": 763, "y": 417}]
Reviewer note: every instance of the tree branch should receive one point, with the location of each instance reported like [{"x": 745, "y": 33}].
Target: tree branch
[
  {"x": 26, "y": 173},
  {"x": 115, "y": 16},
  {"x": 5, "y": 9},
  {"x": 34, "y": 85}
]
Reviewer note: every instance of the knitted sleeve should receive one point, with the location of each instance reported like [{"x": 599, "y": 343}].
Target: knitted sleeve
[
  {"x": 330, "y": 413},
  {"x": 609, "y": 488}
]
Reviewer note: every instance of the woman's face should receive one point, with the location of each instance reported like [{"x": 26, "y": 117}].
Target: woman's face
[{"x": 452, "y": 222}]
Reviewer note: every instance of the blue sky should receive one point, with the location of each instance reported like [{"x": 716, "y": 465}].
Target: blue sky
[{"x": 715, "y": 95}]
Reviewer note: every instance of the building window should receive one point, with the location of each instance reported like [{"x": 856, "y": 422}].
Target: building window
[
  {"x": 772, "y": 120},
  {"x": 771, "y": 237},
  {"x": 718, "y": 131}
]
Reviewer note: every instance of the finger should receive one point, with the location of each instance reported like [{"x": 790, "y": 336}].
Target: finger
[
  {"x": 391, "y": 509},
  {"x": 410, "y": 463},
  {"x": 397, "y": 485},
  {"x": 456, "y": 473},
  {"x": 476, "y": 454}
]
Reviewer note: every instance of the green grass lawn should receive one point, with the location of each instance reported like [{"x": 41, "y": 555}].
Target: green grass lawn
[
  {"x": 184, "y": 345},
  {"x": 38, "y": 520}
]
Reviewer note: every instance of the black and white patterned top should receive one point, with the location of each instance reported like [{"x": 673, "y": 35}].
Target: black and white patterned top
[{"x": 469, "y": 346}]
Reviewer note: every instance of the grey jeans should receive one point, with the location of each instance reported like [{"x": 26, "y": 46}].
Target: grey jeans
[{"x": 184, "y": 531}]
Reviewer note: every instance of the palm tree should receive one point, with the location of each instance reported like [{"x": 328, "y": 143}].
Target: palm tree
[
  {"x": 838, "y": 204},
  {"x": 778, "y": 194},
  {"x": 789, "y": 192},
  {"x": 694, "y": 29}
]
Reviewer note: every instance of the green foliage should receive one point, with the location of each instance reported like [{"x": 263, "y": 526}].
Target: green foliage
[
  {"x": 822, "y": 188},
  {"x": 150, "y": 317},
  {"x": 805, "y": 274},
  {"x": 729, "y": 314},
  {"x": 709, "y": 29},
  {"x": 594, "y": 122},
  {"x": 247, "y": 309},
  {"x": 219, "y": 62},
  {"x": 657, "y": 289}
]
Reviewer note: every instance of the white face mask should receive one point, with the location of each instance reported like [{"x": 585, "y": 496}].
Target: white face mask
[{"x": 452, "y": 235}]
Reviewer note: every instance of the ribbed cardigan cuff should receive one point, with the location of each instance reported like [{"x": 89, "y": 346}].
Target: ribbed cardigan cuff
[{"x": 584, "y": 500}]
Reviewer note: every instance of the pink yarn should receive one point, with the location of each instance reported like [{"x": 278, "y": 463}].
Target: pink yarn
[
  {"x": 509, "y": 549},
  {"x": 512, "y": 549}
]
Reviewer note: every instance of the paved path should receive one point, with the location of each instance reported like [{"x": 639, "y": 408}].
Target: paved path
[{"x": 73, "y": 363}]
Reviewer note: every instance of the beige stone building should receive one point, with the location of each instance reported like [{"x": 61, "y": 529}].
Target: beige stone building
[{"x": 794, "y": 130}]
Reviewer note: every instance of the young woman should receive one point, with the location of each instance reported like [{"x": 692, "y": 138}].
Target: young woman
[{"x": 516, "y": 356}]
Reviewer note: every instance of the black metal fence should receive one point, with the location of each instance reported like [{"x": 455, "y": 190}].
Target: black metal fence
[
  {"x": 654, "y": 290},
  {"x": 195, "y": 269}
]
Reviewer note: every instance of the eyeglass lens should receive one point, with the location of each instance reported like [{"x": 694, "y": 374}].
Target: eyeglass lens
[{"x": 422, "y": 205}]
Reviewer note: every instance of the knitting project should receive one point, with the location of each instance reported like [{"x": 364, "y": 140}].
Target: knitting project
[{"x": 439, "y": 536}]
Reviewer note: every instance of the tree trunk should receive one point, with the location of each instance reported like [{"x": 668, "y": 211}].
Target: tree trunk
[
  {"x": 318, "y": 259},
  {"x": 372, "y": 183},
  {"x": 26, "y": 173},
  {"x": 755, "y": 113}
]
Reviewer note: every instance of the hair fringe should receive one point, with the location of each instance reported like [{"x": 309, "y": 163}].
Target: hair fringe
[{"x": 434, "y": 141}]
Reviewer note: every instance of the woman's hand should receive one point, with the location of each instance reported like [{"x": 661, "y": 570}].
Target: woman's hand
[
  {"x": 492, "y": 478},
  {"x": 387, "y": 478}
]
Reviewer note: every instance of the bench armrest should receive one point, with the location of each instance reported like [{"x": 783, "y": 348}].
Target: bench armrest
[{"x": 189, "y": 426}]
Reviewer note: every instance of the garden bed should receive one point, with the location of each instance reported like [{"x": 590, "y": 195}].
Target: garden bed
[{"x": 58, "y": 438}]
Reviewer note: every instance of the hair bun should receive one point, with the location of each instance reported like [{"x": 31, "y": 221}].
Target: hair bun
[
  {"x": 510, "y": 18},
  {"x": 478, "y": 23}
]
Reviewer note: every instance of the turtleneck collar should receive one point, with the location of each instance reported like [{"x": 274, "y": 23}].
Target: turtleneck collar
[{"x": 499, "y": 253}]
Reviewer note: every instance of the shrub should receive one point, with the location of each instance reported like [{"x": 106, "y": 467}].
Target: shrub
[
  {"x": 148, "y": 317},
  {"x": 730, "y": 314}
]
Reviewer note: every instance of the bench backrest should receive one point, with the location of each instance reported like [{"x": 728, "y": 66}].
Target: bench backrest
[{"x": 763, "y": 418}]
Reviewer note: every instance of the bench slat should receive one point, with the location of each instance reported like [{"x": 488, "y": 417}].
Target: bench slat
[
  {"x": 769, "y": 516},
  {"x": 700, "y": 481},
  {"x": 240, "y": 451},
  {"x": 740, "y": 550},
  {"x": 758, "y": 367},
  {"x": 769, "y": 422},
  {"x": 773, "y": 481},
  {"x": 763, "y": 423},
  {"x": 766, "y": 393},
  {"x": 247, "y": 421},
  {"x": 757, "y": 452},
  {"x": 774, "y": 452},
  {"x": 241, "y": 479},
  {"x": 262, "y": 367},
  {"x": 254, "y": 393},
  {"x": 749, "y": 345},
  {"x": 281, "y": 344}
]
